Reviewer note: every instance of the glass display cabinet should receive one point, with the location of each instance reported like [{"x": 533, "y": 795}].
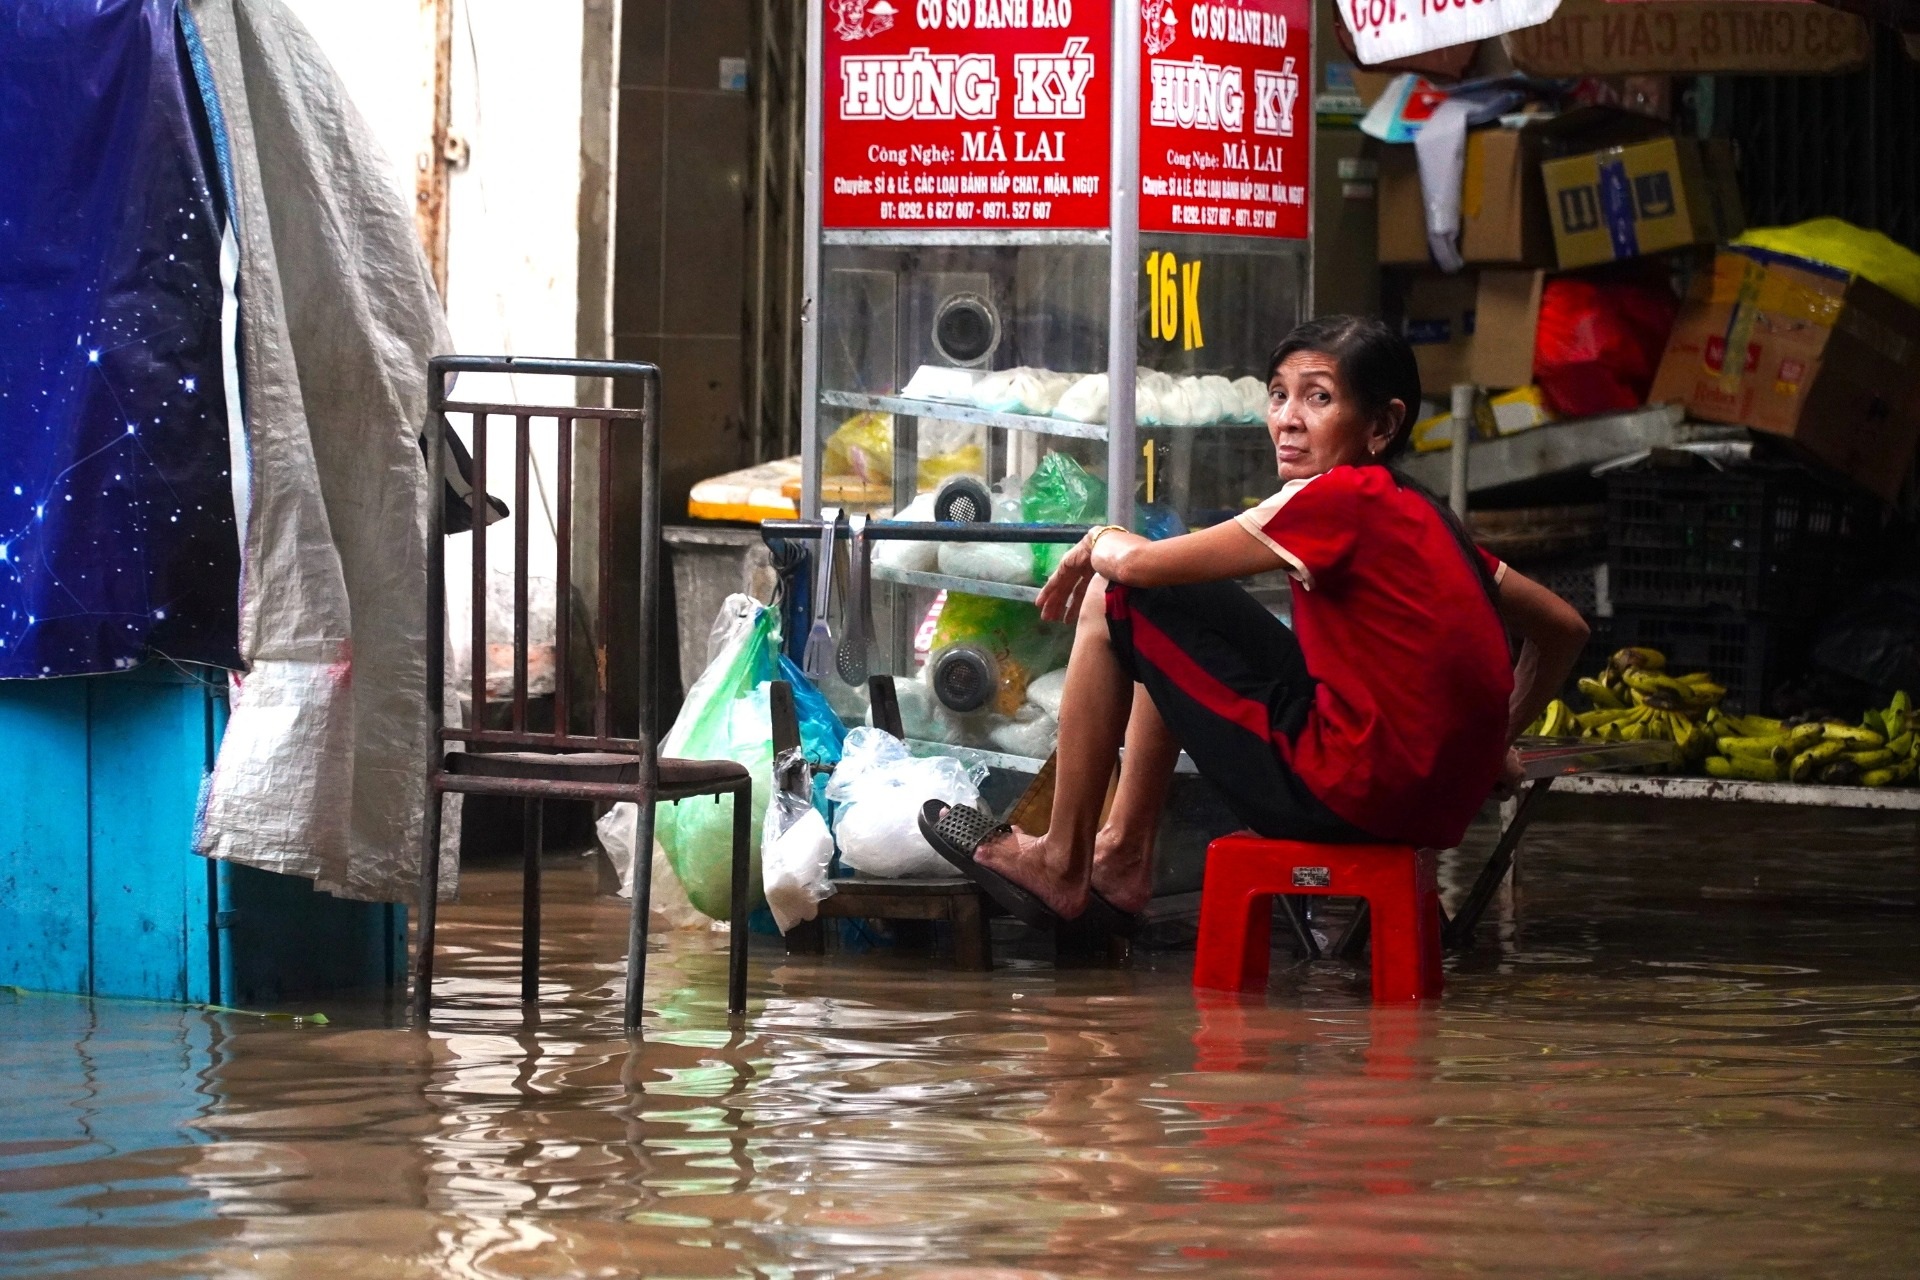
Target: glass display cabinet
[{"x": 1050, "y": 246}]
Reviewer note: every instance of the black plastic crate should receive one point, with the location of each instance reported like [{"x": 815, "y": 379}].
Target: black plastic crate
[
  {"x": 1771, "y": 540},
  {"x": 1751, "y": 654}
]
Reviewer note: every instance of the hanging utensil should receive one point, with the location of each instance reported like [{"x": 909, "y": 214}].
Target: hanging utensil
[
  {"x": 857, "y": 644},
  {"x": 817, "y": 659}
]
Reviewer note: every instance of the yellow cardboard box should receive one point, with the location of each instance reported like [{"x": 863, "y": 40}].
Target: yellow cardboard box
[{"x": 1643, "y": 198}]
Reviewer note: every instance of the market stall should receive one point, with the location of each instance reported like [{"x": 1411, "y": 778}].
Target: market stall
[{"x": 1050, "y": 247}]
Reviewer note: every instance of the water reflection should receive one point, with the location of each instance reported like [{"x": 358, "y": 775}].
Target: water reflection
[{"x": 1648, "y": 1073}]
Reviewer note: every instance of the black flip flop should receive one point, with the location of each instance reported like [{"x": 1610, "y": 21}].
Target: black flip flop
[{"x": 956, "y": 831}]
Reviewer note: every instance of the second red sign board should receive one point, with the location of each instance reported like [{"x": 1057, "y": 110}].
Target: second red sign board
[
  {"x": 967, "y": 114},
  {"x": 1224, "y": 131}
]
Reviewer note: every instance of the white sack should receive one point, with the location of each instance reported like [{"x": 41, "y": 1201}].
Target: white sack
[{"x": 322, "y": 770}]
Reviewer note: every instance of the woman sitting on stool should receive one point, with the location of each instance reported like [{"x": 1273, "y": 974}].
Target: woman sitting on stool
[{"x": 1384, "y": 715}]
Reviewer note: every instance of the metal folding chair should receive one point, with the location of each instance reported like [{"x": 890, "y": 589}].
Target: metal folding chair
[{"x": 560, "y": 764}]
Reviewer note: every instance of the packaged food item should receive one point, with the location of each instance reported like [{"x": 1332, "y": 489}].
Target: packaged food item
[
  {"x": 1085, "y": 400},
  {"x": 985, "y": 651},
  {"x": 1060, "y": 491},
  {"x": 1253, "y": 399}
]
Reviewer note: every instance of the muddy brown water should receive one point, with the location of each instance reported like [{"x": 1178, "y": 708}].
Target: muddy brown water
[{"x": 1692, "y": 1053}]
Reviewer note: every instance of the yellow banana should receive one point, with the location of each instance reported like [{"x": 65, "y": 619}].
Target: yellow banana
[
  {"x": 1776, "y": 750},
  {"x": 1876, "y": 721},
  {"x": 1853, "y": 734},
  {"x": 1744, "y": 768},
  {"x": 1902, "y": 703},
  {"x": 1875, "y": 759},
  {"x": 1902, "y": 745},
  {"x": 1647, "y": 659},
  {"x": 1588, "y": 721},
  {"x": 1818, "y": 754},
  {"x": 1878, "y": 778},
  {"x": 1601, "y": 696},
  {"x": 1758, "y": 726}
]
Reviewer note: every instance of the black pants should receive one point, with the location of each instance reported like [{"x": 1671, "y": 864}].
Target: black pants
[{"x": 1227, "y": 677}]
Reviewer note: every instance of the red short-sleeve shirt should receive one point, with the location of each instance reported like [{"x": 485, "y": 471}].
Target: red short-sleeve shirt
[{"x": 1408, "y": 730}]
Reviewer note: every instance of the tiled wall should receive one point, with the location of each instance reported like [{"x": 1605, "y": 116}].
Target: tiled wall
[
  {"x": 679, "y": 259},
  {"x": 679, "y": 229}
]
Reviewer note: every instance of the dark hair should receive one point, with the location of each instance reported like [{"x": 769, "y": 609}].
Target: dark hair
[
  {"x": 1375, "y": 362},
  {"x": 1378, "y": 367}
]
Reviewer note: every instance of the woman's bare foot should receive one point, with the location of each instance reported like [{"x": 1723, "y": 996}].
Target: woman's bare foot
[
  {"x": 1123, "y": 871},
  {"x": 1033, "y": 864}
]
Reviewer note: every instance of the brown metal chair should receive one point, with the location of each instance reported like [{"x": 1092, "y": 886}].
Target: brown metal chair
[{"x": 560, "y": 764}]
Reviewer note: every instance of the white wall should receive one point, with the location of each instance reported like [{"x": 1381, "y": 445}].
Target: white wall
[{"x": 513, "y": 244}]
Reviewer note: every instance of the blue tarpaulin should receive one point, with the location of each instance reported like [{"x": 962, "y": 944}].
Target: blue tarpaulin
[{"x": 117, "y": 498}]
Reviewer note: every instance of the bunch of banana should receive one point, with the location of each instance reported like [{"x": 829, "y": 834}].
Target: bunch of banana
[
  {"x": 1557, "y": 721},
  {"x": 1635, "y": 699},
  {"x": 1880, "y": 752}
]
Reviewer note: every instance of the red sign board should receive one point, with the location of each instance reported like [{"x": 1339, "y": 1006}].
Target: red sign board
[
  {"x": 1223, "y": 125},
  {"x": 966, "y": 113}
]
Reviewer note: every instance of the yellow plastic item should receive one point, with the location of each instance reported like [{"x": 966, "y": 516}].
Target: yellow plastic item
[
  {"x": 766, "y": 492},
  {"x": 1521, "y": 409},
  {"x": 1837, "y": 243},
  {"x": 1430, "y": 435},
  {"x": 862, "y": 448}
]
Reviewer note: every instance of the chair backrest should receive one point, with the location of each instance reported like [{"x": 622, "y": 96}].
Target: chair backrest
[{"x": 609, "y": 528}]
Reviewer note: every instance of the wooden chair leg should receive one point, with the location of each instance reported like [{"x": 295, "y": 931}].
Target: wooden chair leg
[
  {"x": 808, "y": 938},
  {"x": 972, "y": 939},
  {"x": 429, "y": 905},
  {"x": 737, "y": 925},
  {"x": 642, "y": 908},
  {"x": 531, "y": 838}
]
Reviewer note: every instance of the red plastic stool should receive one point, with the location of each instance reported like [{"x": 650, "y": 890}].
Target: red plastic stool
[{"x": 1244, "y": 871}]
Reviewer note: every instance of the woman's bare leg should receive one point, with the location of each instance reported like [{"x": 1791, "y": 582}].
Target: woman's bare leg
[
  {"x": 1123, "y": 851},
  {"x": 1094, "y": 709}
]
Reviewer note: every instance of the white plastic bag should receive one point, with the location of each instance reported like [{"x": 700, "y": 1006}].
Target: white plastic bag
[
  {"x": 880, "y": 789},
  {"x": 1046, "y": 691},
  {"x": 1029, "y": 732},
  {"x": 917, "y": 557},
  {"x": 988, "y": 561},
  {"x": 1085, "y": 400},
  {"x": 1222, "y": 401},
  {"x": 1253, "y": 400},
  {"x": 667, "y": 903},
  {"x": 796, "y": 848}
]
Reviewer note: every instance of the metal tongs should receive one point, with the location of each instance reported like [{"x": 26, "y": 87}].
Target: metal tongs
[{"x": 818, "y": 658}]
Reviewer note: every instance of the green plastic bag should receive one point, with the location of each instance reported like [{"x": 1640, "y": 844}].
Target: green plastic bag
[
  {"x": 1060, "y": 491},
  {"x": 725, "y": 717}
]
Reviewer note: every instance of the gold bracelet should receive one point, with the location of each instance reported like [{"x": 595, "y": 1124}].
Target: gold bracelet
[{"x": 1093, "y": 539}]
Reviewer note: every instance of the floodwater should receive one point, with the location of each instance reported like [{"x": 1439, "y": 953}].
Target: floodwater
[{"x": 1693, "y": 1053}]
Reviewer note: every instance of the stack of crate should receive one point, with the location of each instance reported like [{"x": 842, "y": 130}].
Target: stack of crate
[{"x": 1731, "y": 571}]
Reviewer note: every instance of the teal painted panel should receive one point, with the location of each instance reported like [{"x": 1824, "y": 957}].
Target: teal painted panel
[
  {"x": 43, "y": 834},
  {"x": 151, "y": 919},
  {"x": 290, "y": 941}
]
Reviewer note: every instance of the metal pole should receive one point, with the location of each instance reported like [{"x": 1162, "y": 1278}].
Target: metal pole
[
  {"x": 1464, "y": 394},
  {"x": 762, "y": 85},
  {"x": 797, "y": 280},
  {"x": 815, "y": 55},
  {"x": 1123, "y": 264}
]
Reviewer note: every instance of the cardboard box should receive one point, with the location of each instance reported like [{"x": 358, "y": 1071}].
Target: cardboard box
[
  {"x": 1506, "y": 321},
  {"x": 1503, "y": 209},
  {"x": 1474, "y": 327},
  {"x": 1826, "y": 360},
  {"x": 1646, "y": 197},
  {"x": 1439, "y": 326}
]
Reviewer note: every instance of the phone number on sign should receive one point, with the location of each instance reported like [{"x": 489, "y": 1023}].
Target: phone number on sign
[{"x": 964, "y": 210}]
